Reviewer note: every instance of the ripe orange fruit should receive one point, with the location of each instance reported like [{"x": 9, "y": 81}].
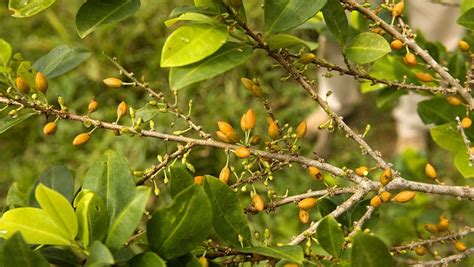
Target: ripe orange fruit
[
  {"x": 49, "y": 128},
  {"x": 464, "y": 46},
  {"x": 22, "y": 85},
  {"x": 454, "y": 100},
  {"x": 386, "y": 176},
  {"x": 410, "y": 59},
  {"x": 362, "y": 171},
  {"x": 258, "y": 203},
  {"x": 424, "y": 77},
  {"x": 397, "y": 9},
  {"x": 432, "y": 228},
  {"x": 242, "y": 152},
  {"x": 41, "y": 82},
  {"x": 430, "y": 171},
  {"x": 273, "y": 130},
  {"x": 315, "y": 173},
  {"x": 224, "y": 175},
  {"x": 307, "y": 203},
  {"x": 81, "y": 139},
  {"x": 113, "y": 82},
  {"x": 375, "y": 201},
  {"x": 420, "y": 250},
  {"x": 396, "y": 44},
  {"x": 404, "y": 196},
  {"x": 304, "y": 216},
  {"x": 93, "y": 105},
  {"x": 122, "y": 109},
  {"x": 199, "y": 179},
  {"x": 385, "y": 196},
  {"x": 307, "y": 58},
  {"x": 466, "y": 122},
  {"x": 301, "y": 129},
  {"x": 460, "y": 246}
]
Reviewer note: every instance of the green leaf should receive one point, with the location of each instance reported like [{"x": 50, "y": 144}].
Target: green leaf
[
  {"x": 127, "y": 221},
  {"x": 463, "y": 164},
  {"x": 227, "y": 57},
  {"x": 179, "y": 228},
  {"x": 18, "y": 253},
  {"x": 438, "y": 111},
  {"x": 59, "y": 256},
  {"x": 187, "y": 260},
  {"x": 290, "y": 253},
  {"x": 447, "y": 136},
  {"x": 367, "y": 47},
  {"x": 388, "y": 68},
  {"x": 60, "y": 60},
  {"x": 22, "y": 9},
  {"x": 187, "y": 9},
  {"x": 99, "y": 256},
  {"x": 191, "y": 43},
  {"x": 147, "y": 259},
  {"x": 35, "y": 225},
  {"x": 283, "y": 40},
  {"x": 147, "y": 113},
  {"x": 467, "y": 19},
  {"x": 112, "y": 179},
  {"x": 326, "y": 206},
  {"x": 27, "y": 72},
  {"x": 58, "y": 209},
  {"x": 8, "y": 122},
  {"x": 283, "y": 15},
  {"x": 228, "y": 217},
  {"x": 92, "y": 217},
  {"x": 96, "y": 14},
  {"x": 58, "y": 178},
  {"x": 214, "y": 5},
  {"x": 5, "y": 52},
  {"x": 180, "y": 180},
  {"x": 466, "y": 5},
  {"x": 191, "y": 16},
  {"x": 330, "y": 236},
  {"x": 370, "y": 251},
  {"x": 336, "y": 21},
  {"x": 388, "y": 95}
]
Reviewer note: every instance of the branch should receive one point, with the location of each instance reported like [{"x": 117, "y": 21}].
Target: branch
[
  {"x": 361, "y": 221},
  {"x": 447, "y": 260},
  {"x": 466, "y": 141}
]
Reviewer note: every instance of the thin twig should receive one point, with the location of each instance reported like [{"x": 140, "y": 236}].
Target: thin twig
[
  {"x": 445, "y": 261},
  {"x": 466, "y": 140}
]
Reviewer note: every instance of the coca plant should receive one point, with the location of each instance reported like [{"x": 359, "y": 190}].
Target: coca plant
[{"x": 112, "y": 220}]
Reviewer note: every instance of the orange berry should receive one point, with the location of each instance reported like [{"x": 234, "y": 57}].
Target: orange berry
[
  {"x": 122, "y": 109},
  {"x": 223, "y": 137},
  {"x": 199, "y": 179},
  {"x": 464, "y": 46},
  {"x": 404, "y": 196},
  {"x": 22, "y": 85},
  {"x": 248, "y": 120},
  {"x": 301, "y": 129},
  {"x": 81, "y": 139},
  {"x": 228, "y": 131},
  {"x": 454, "y": 100},
  {"x": 41, "y": 82},
  {"x": 362, "y": 171},
  {"x": 247, "y": 83},
  {"x": 258, "y": 203},
  {"x": 443, "y": 224},
  {"x": 430, "y": 171},
  {"x": 410, "y": 59},
  {"x": 113, "y": 82},
  {"x": 49, "y": 128},
  {"x": 307, "y": 203},
  {"x": 385, "y": 196},
  {"x": 466, "y": 122},
  {"x": 203, "y": 261},
  {"x": 304, "y": 216},
  {"x": 242, "y": 152},
  {"x": 397, "y": 9},
  {"x": 420, "y": 250},
  {"x": 386, "y": 176},
  {"x": 424, "y": 77},
  {"x": 273, "y": 130},
  {"x": 432, "y": 228},
  {"x": 375, "y": 201},
  {"x": 460, "y": 246},
  {"x": 256, "y": 90},
  {"x": 315, "y": 173},
  {"x": 307, "y": 58},
  {"x": 224, "y": 175},
  {"x": 93, "y": 105},
  {"x": 396, "y": 44}
]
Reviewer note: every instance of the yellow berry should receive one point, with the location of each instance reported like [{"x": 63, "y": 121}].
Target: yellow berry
[
  {"x": 301, "y": 129},
  {"x": 199, "y": 179},
  {"x": 420, "y": 250},
  {"x": 307, "y": 58},
  {"x": 375, "y": 201},
  {"x": 224, "y": 175},
  {"x": 248, "y": 120},
  {"x": 315, "y": 173},
  {"x": 228, "y": 131},
  {"x": 424, "y": 77},
  {"x": 242, "y": 152},
  {"x": 397, "y": 9},
  {"x": 464, "y": 46},
  {"x": 247, "y": 83},
  {"x": 113, "y": 82},
  {"x": 404, "y": 196},
  {"x": 432, "y": 228},
  {"x": 443, "y": 224},
  {"x": 93, "y": 105},
  {"x": 22, "y": 85},
  {"x": 410, "y": 59},
  {"x": 386, "y": 176},
  {"x": 273, "y": 130},
  {"x": 307, "y": 203},
  {"x": 385, "y": 196},
  {"x": 396, "y": 44},
  {"x": 256, "y": 90},
  {"x": 454, "y": 100},
  {"x": 81, "y": 139},
  {"x": 49, "y": 128},
  {"x": 258, "y": 203},
  {"x": 122, "y": 109},
  {"x": 362, "y": 171},
  {"x": 41, "y": 82},
  {"x": 430, "y": 171},
  {"x": 460, "y": 246},
  {"x": 223, "y": 137},
  {"x": 466, "y": 122},
  {"x": 203, "y": 261},
  {"x": 304, "y": 216}
]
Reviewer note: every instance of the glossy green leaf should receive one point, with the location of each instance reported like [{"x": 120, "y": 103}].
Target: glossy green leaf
[
  {"x": 438, "y": 111},
  {"x": 467, "y": 19},
  {"x": 127, "y": 221},
  {"x": 193, "y": 9},
  {"x": 228, "y": 217},
  {"x": 330, "y": 236},
  {"x": 447, "y": 136},
  {"x": 18, "y": 253},
  {"x": 112, "y": 179},
  {"x": 283, "y": 40},
  {"x": 99, "y": 256},
  {"x": 463, "y": 164},
  {"x": 389, "y": 68},
  {"x": 147, "y": 259},
  {"x": 8, "y": 122},
  {"x": 22, "y": 8},
  {"x": 180, "y": 180},
  {"x": 60, "y": 60},
  {"x": 367, "y": 47},
  {"x": 60, "y": 256},
  {"x": 466, "y": 5},
  {"x": 96, "y": 14},
  {"x": 370, "y": 251},
  {"x": 191, "y": 16},
  {"x": 283, "y": 15},
  {"x": 215, "y": 5},
  {"x": 27, "y": 72},
  {"x": 227, "y": 57},
  {"x": 58, "y": 178},
  {"x": 290, "y": 253},
  {"x": 187, "y": 260},
  {"x": 179, "y": 228},
  {"x": 147, "y": 113},
  {"x": 5, "y": 52},
  {"x": 58, "y": 209},
  {"x": 336, "y": 21},
  {"x": 35, "y": 225},
  {"x": 326, "y": 206},
  {"x": 92, "y": 218},
  {"x": 191, "y": 43}
]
